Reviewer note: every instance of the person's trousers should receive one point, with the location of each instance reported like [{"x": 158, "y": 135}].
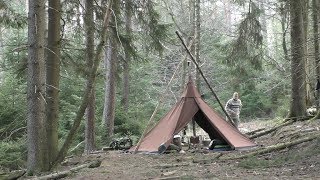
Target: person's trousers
[{"x": 235, "y": 120}]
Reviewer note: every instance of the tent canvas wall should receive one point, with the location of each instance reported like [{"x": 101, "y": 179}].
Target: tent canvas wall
[{"x": 192, "y": 106}]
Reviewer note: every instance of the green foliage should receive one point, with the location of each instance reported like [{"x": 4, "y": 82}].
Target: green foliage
[
  {"x": 9, "y": 17},
  {"x": 153, "y": 26},
  {"x": 125, "y": 125},
  {"x": 245, "y": 51},
  {"x": 12, "y": 107},
  {"x": 13, "y": 153},
  {"x": 256, "y": 104},
  {"x": 15, "y": 53}
]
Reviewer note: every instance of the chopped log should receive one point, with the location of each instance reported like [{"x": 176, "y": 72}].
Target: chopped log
[
  {"x": 107, "y": 149},
  {"x": 278, "y": 147},
  {"x": 63, "y": 174},
  {"x": 271, "y": 130}
]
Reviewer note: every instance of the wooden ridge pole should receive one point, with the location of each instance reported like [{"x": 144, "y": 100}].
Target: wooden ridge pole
[{"x": 205, "y": 79}]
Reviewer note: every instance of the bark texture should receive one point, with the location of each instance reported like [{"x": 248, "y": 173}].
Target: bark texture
[
  {"x": 53, "y": 78},
  {"x": 109, "y": 103},
  {"x": 110, "y": 65},
  {"x": 298, "y": 75},
  {"x": 126, "y": 63},
  {"x": 90, "y": 111},
  {"x": 36, "y": 87},
  {"x": 315, "y": 16}
]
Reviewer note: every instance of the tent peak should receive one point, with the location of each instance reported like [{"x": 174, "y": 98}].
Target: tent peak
[
  {"x": 190, "y": 79},
  {"x": 191, "y": 90}
]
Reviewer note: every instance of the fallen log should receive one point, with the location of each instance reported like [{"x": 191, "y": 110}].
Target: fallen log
[
  {"x": 207, "y": 161},
  {"x": 255, "y": 131},
  {"x": 271, "y": 130},
  {"x": 63, "y": 174},
  {"x": 299, "y": 118},
  {"x": 277, "y": 147},
  {"x": 170, "y": 178},
  {"x": 169, "y": 173},
  {"x": 12, "y": 175},
  {"x": 165, "y": 166}
]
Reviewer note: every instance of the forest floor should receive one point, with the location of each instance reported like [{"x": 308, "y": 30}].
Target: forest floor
[{"x": 300, "y": 161}]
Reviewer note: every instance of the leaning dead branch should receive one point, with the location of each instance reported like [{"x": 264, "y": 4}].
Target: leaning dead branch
[
  {"x": 63, "y": 174},
  {"x": 271, "y": 130},
  {"x": 255, "y": 131},
  {"x": 12, "y": 175},
  {"x": 278, "y": 147},
  {"x": 208, "y": 161},
  {"x": 170, "y": 177},
  {"x": 166, "y": 166}
]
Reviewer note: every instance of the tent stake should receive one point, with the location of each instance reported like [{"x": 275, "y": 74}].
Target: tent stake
[{"x": 198, "y": 67}]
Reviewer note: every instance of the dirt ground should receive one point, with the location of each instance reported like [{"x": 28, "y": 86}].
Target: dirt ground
[{"x": 298, "y": 162}]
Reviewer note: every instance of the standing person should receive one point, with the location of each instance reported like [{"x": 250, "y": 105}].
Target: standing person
[{"x": 233, "y": 108}]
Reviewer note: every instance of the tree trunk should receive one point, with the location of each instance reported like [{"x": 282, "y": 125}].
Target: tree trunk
[
  {"x": 298, "y": 103},
  {"x": 110, "y": 65},
  {"x": 53, "y": 78},
  {"x": 197, "y": 40},
  {"x": 192, "y": 49},
  {"x": 284, "y": 17},
  {"x": 87, "y": 93},
  {"x": 109, "y": 103},
  {"x": 315, "y": 16},
  {"x": 308, "y": 63},
  {"x": 227, "y": 15},
  {"x": 1, "y": 43},
  {"x": 90, "y": 111},
  {"x": 126, "y": 63},
  {"x": 89, "y": 145},
  {"x": 36, "y": 87},
  {"x": 264, "y": 27},
  {"x": 196, "y": 49}
]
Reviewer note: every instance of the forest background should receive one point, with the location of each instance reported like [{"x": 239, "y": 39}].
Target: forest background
[{"x": 57, "y": 98}]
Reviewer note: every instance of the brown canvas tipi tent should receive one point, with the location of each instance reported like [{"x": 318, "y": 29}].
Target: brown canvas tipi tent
[{"x": 192, "y": 106}]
